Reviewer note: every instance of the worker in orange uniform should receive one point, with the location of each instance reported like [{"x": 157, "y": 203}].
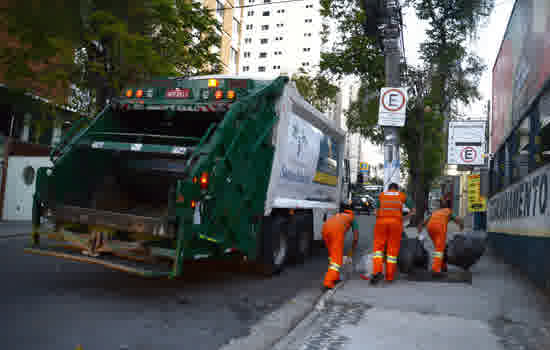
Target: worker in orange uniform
[
  {"x": 388, "y": 231},
  {"x": 437, "y": 229},
  {"x": 334, "y": 231}
]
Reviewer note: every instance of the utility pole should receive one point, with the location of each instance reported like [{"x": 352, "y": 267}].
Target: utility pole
[{"x": 391, "y": 34}]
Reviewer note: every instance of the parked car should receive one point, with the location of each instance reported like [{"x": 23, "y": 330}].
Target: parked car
[{"x": 363, "y": 203}]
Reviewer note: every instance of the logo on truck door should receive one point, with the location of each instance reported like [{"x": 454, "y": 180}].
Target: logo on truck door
[{"x": 301, "y": 140}]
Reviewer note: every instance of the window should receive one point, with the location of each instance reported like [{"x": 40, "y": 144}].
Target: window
[
  {"x": 265, "y": 13},
  {"x": 261, "y": 69},
  {"x": 246, "y": 68},
  {"x": 219, "y": 10},
  {"x": 263, "y": 54},
  {"x": 279, "y": 25},
  {"x": 236, "y": 31},
  {"x": 265, "y": 27},
  {"x": 249, "y": 26},
  {"x": 305, "y": 64},
  {"x": 307, "y": 49},
  {"x": 246, "y": 54},
  {"x": 309, "y": 6},
  {"x": 280, "y": 11},
  {"x": 233, "y": 59},
  {"x": 250, "y": 13},
  {"x": 250, "y": 1},
  {"x": 276, "y": 67},
  {"x": 263, "y": 41},
  {"x": 308, "y": 20},
  {"x": 267, "y": 1},
  {"x": 247, "y": 40},
  {"x": 307, "y": 34},
  {"x": 278, "y": 53}
]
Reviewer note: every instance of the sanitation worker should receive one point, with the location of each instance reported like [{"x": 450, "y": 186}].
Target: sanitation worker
[
  {"x": 388, "y": 231},
  {"x": 334, "y": 232},
  {"x": 436, "y": 225}
]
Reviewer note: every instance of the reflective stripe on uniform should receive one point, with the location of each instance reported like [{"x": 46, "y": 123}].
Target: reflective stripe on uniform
[
  {"x": 437, "y": 254},
  {"x": 377, "y": 255},
  {"x": 396, "y": 209},
  {"x": 391, "y": 259},
  {"x": 334, "y": 266}
]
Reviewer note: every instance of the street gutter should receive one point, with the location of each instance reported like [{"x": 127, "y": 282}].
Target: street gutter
[{"x": 277, "y": 328}]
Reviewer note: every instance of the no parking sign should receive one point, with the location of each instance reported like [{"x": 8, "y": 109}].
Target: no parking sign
[{"x": 466, "y": 142}]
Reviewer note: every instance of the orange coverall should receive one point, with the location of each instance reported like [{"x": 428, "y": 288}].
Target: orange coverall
[
  {"x": 388, "y": 230},
  {"x": 437, "y": 229},
  {"x": 334, "y": 231}
]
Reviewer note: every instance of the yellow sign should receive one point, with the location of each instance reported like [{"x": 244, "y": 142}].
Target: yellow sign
[
  {"x": 325, "y": 179},
  {"x": 476, "y": 202}
]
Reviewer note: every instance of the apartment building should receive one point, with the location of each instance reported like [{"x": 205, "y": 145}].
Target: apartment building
[
  {"x": 280, "y": 37},
  {"x": 229, "y": 14}
]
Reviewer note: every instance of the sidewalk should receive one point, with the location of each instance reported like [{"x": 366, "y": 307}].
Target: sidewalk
[
  {"x": 15, "y": 228},
  {"x": 498, "y": 311}
]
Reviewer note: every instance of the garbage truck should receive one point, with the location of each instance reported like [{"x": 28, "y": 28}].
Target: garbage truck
[{"x": 185, "y": 168}]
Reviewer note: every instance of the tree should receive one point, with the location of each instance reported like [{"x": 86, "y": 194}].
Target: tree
[
  {"x": 450, "y": 74},
  {"x": 100, "y": 45},
  {"x": 317, "y": 90}
]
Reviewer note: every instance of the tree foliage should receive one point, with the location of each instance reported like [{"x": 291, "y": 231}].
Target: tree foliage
[
  {"x": 450, "y": 74},
  {"x": 317, "y": 90},
  {"x": 99, "y": 45}
]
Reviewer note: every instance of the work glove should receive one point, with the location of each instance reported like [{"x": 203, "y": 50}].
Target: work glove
[
  {"x": 347, "y": 259},
  {"x": 421, "y": 236}
]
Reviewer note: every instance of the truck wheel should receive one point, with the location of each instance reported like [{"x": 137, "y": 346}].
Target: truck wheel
[
  {"x": 275, "y": 247},
  {"x": 304, "y": 237}
]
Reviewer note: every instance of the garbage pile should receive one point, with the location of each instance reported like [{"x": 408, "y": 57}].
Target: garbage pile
[
  {"x": 412, "y": 255},
  {"x": 466, "y": 248}
]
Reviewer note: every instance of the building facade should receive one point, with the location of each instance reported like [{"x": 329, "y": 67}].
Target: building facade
[
  {"x": 229, "y": 15},
  {"x": 280, "y": 38}
]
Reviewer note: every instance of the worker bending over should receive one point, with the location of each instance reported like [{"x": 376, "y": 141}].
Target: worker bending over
[
  {"x": 388, "y": 231},
  {"x": 334, "y": 231},
  {"x": 436, "y": 225}
]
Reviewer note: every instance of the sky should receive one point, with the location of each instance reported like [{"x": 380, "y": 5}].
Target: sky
[{"x": 487, "y": 46}]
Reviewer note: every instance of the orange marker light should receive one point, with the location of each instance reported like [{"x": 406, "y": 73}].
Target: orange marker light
[
  {"x": 139, "y": 93},
  {"x": 195, "y": 180},
  {"x": 219, "y": 94},
  {"x": 231, "y": 94},
  {"x": 129, "y": 93},
  {"x": 180, "y": 198},
  {"x": 213, "y": 83},
  {"x": 193, "y": 204}
]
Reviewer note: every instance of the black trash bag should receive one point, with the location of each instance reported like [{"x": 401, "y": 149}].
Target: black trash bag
[
  {"x": 412, "y": 256},
  {"x": 465, "y": 249}
]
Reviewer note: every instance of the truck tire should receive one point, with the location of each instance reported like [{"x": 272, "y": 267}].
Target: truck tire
[
  {"x": 275, "y": 246},
  {"x": 304, "y": 236}
]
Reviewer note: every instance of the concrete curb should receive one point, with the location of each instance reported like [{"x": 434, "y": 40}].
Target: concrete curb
[
  {"x": 276, "y": 327},
  {"x": 301, "y": 327}
]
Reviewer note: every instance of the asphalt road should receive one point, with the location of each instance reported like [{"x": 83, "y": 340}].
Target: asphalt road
[{"x": 52, "y": 304}]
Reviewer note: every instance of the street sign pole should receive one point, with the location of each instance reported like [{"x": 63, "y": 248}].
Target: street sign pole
[{"x": 392, "y": 162}]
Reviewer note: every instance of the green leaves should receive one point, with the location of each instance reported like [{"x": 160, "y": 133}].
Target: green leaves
[
  {"x": 317, "y": 90},
  {"x": 100, "y": 45}
]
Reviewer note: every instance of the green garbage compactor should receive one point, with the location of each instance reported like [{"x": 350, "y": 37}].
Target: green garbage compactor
[{"x": 178, "y": 169}]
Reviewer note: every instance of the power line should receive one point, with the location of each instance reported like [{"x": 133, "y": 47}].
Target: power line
[{"x": 253, "y": 5}]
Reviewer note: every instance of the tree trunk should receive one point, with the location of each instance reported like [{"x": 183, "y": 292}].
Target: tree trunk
[{"x": 420, "y": 183}]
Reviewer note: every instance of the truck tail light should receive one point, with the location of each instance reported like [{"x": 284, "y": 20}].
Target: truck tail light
[
  {"x": 195, "y": 180},
  {"x": 129, "y": 93},
  {"x": 219, "y": 94},
  {"x": 213, "y": 83},
  {"x": 231, "y": 94},
  {"x": 139, "y": 93},
  {"x": 193, "y": 204},
  {"x": 204, "y": 181}
]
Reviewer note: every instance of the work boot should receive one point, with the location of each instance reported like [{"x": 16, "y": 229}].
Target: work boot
[
  {"x": 437, "y": 275},
  {"x": 376, "y": 278}
]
